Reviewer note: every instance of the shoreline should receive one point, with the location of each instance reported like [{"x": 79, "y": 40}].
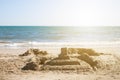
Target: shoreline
[{"x": 54, "y": 47}]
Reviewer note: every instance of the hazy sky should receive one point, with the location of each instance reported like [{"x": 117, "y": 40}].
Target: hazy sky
[{"x": 60, "y": 12}]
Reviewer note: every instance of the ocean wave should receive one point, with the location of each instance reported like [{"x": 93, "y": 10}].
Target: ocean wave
[{"x": 52, "y": 44}]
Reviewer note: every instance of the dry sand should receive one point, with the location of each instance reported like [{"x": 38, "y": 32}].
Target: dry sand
[{"x": 11, "y": 64}]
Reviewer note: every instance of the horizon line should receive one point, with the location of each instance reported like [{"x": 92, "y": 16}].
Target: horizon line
[{"x": 63, "y": 26}]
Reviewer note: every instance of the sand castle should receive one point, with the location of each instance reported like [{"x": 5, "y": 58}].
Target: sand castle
[
  {"x": 75, "y": 56},
  {"x": 68, "y": 59}
]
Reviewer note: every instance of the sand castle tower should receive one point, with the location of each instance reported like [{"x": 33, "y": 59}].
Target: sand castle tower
[
  {"x": 64, "y": 59},
  {"x": 64, "y": 54}
]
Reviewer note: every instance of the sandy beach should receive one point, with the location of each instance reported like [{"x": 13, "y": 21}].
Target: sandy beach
[
  {"x": 59, "y": 39},
  {"x": 11, "y": 64}
]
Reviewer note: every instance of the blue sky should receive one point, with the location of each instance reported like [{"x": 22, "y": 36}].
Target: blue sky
[{"x": 60, "y": 12}]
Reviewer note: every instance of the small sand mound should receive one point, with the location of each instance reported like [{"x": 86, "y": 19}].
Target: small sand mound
[
  {"x": 34, "y": 58},
  {"x": 31, "y": 66},
  {"x": 34, "y": 52},
  {"x": 106, "y": 61},
  {"x": 90, "y": 52}
]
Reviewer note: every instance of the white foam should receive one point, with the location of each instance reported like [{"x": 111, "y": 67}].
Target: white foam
[
  {"x": 62, "y": 44},
  {"x": 73, "y": 43}
]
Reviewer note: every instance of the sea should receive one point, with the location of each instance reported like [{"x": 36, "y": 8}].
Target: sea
[{"x": 34, "y": 35}]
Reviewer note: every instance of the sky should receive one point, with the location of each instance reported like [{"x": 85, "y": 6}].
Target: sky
[{"x": 60, "y": 12}]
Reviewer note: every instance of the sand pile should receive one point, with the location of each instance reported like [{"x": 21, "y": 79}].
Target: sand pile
[
  {"x": 31, "y": 66},
  {"x": 107, "y": 61},
  {"x": 90, "y": 52},
  {"x": 36, "y": 59},
  {"x": 34, "y": 52}
]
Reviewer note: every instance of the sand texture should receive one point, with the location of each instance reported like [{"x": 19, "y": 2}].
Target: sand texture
[{"x": 69, "y": 64}]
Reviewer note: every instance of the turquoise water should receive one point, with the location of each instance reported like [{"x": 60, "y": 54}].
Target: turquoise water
[{"x": 19, "y": 34}]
